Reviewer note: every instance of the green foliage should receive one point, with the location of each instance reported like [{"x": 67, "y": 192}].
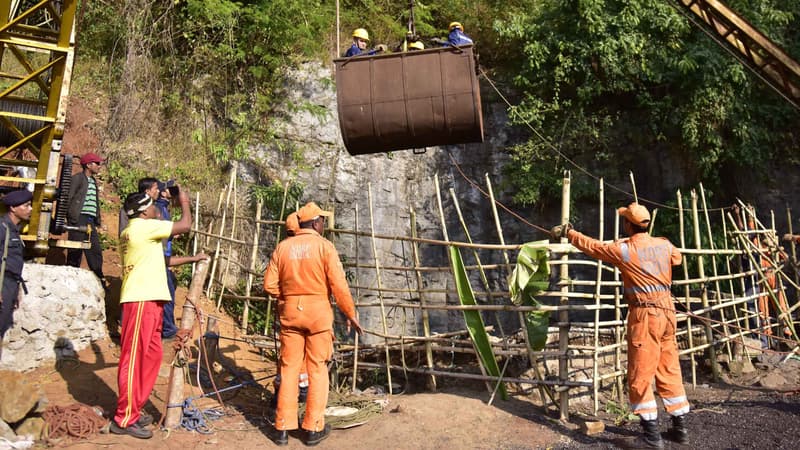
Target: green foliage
[
  {"x": 125, "y": 178},
  {"x": 272, "y": 198},
  {"x": 473, "y": 319},
  {"x": 531, "y": 276},
  {"x": 606, "y": 79}
]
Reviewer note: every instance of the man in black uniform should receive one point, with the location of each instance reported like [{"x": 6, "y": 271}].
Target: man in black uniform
[{"x": 19, "y": 210}]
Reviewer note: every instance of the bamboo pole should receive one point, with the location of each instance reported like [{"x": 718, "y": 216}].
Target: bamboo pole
[
  {"x": 598, "y": 279},
  {"x": 217, "y": 211},
  {"x": 380, "y": 285},
  {"x": 209, "y": 290},
  {"x": 792, "y": 245},
  {"x": 686, "y": 288},
  {"x": 253, "y": 262},
  {"x": 487, "y": 378},
  {"x": 633, "y": 186},
  {"x": 481, "y": 271},
  {"x": 196, "y": 226},
  {"x": 714, "y": 265},
  {"x": 712, "y": 354},
  {"x": 619, "y": 330},
  {"x": 563, "y": 316},
  {"x": 230, "y": 245},
  {"x": 426, "y": 326},
  {"x": 358, "y": 297},
  {"x": 730, "y": 282},
  {"x": 177, "y": 374}
]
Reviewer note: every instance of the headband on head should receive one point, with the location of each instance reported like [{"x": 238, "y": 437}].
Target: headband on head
[{"x": 136, "y": 206}]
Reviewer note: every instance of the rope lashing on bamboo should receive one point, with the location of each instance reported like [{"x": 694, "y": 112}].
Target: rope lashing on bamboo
[{"x": 77, "y": 420}]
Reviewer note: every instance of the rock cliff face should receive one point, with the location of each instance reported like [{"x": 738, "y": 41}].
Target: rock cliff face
[
  {"x": 379, "y": 192},
  {"x": 63, "y": 312}
]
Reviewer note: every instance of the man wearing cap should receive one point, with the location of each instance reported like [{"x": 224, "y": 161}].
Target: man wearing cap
[
  {"x": 84, "y": 211},
  {"x": 144, "y": 292},
  {"x": 646, "y": 266},
  {"x": 302, "y": 274},
  {"x": 19, "y": 210}
]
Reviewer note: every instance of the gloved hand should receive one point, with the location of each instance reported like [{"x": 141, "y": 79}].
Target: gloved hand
[
  {"x": 788, "y": 237},
  {"x": 439, "y": 41},
  {"x": 380, "y": 48},
  {"x": 559, "y": 231}
]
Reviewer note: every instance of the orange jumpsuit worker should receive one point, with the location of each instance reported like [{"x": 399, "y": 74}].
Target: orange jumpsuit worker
[
  {"x": 292, "y": 227},
  {"x": 302, "y": 274},
  {"x": 646, "y": 266}
]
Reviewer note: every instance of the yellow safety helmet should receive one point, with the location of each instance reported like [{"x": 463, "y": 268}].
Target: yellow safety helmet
[
  {"x": 455, "y": 25},
  {"x": 361, "y": 34},
  {"x": 417, "y": 45}
]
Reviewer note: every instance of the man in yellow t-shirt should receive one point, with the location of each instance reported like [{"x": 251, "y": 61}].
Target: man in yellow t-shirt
[{"x": 144, "y": 292}]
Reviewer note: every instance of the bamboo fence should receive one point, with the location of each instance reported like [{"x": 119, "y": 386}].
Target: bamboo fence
[{"x": 417, "y": 328}]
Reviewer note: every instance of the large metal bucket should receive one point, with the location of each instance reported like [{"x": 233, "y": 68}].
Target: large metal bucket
[{"x": 408, "y": 100}]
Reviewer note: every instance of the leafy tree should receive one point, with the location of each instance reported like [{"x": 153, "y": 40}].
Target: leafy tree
[{"x": 613, "y": 82}]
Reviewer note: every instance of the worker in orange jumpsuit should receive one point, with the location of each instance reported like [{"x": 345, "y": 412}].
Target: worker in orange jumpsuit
[
  {"x": 646, "y": 266},
  {"x": 292, "y": 227},
  {"x": 302, "y": 274}
]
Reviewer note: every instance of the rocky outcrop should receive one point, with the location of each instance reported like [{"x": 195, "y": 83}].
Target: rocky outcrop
[
  {"x": 62, "y": 313},
  {"x": 378, "y": 192}
]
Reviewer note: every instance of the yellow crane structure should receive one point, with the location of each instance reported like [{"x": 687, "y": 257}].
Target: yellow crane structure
[{"x": 37, "y": 51}]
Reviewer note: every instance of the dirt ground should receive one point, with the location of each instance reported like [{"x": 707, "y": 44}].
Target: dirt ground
[
  {"x": 732, "y": 414},
  {"x": 760, "y": 410}
]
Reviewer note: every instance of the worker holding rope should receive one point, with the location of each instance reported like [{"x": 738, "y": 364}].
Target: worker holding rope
[
  {"x": 302, "y": 274},
  {"x": 646, "y": 266}
]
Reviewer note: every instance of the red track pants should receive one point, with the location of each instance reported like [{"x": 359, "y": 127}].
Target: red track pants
[{"x": 140, "y": 358}]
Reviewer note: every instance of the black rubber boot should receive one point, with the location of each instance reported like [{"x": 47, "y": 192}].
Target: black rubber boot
[
  {"x": 651, "y": 437},
  {"x": 301, "y": 397},
  {"x": 677, "y": 432}
]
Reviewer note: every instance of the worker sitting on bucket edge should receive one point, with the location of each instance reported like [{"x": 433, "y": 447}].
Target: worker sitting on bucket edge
[
  {"x": 457, "y": 36},
  {"x": 360, "y": 43},
  {"x": 646, "y": 266}
]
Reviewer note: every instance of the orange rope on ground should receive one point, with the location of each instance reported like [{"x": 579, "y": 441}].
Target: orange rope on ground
[{"x": 77, "y": 421}]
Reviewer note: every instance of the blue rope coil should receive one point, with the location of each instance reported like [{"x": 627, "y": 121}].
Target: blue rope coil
[{"x": 195, "y": 419}]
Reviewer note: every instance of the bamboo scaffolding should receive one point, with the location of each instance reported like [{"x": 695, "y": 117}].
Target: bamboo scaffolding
[
  {"x": 253, "y": 262},
  {"x": 592, "y": 348},
  {"x": 209, "y": 290},
  {"x": 713, "y": 257},
  {"x": 233, "y": 233}
]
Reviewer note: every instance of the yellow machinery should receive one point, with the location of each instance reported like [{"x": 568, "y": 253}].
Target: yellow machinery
[{"x": 36, "y": 58}]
